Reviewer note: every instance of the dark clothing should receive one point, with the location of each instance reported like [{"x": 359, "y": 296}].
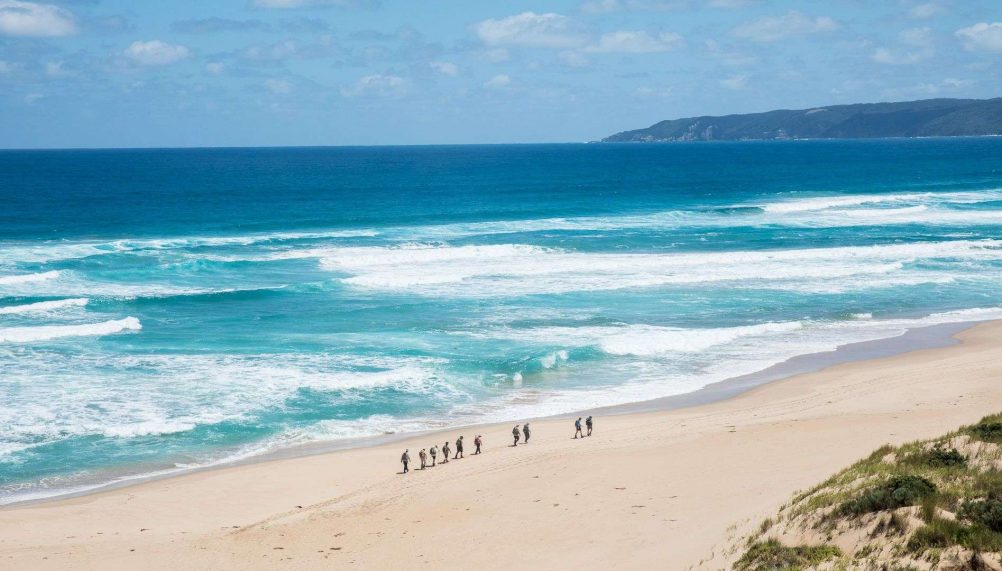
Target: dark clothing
[
  {"x": 405, "y": 467},
  {"x": 459, "y": 449},
  {"x": 525, "y": 431}
]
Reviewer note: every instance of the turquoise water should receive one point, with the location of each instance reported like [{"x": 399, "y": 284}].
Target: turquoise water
[{"x": 163, "y": 309}]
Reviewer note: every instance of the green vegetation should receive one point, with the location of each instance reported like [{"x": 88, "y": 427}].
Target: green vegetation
[
  {"x": 989, "y": 429},
  {"x": 929, "y": 117},
  {"x": 771, "y": 555},
  {"x": 907, "y": 507},
  {"x": 986, "y": 512},
  {"x": 897, "y": 492},
  {"x": 936, "y": 457}
]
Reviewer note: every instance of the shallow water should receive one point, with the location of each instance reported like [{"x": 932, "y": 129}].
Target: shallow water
[{"x": 169, "y": 308}]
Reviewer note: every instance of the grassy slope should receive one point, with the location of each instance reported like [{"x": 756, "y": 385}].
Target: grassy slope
[{"x": 934, "y": 504}]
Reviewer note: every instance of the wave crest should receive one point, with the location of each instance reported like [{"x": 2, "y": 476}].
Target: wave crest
[{"x": 46, "y": 332}]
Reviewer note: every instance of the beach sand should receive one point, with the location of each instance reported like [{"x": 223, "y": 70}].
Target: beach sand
[{"x": 666, "y": 490}]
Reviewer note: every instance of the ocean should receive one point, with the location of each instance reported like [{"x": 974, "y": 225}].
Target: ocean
[{"x": 167, "y": 309}]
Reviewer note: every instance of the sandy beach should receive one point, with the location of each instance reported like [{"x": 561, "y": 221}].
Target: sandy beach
[{"x": 665, "y": 490}]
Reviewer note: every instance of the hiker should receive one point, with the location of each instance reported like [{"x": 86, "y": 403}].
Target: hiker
[
  {"x": 525, "y": 431},
  {"x": 588, "y": 424},
  {"x": 434, "y": 454},
  {"x": 477, "y": 442},
  {"x": 515, "y": 433},
  {"x": 406, "y": 459},
  {"x": 445, "y": 452},
  {"x": 459, "y": 448},
  {"x": 577, "y": 428},
  {"x": 424, "y": 458}
]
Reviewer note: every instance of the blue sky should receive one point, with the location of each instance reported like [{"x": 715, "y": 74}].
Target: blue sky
[{"x": 123, "y": 73}]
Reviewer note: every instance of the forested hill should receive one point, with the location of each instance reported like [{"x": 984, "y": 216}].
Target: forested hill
[{"x": 925, "y": 118}]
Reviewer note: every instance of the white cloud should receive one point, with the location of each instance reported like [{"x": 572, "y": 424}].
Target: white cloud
[
  {"x": 573, "y": 59},
  {"x": 885, "y": 55},
  {"x": 55, "y": 69},
  {"x": 215, "y": 67},
  {"x": 381, "y": 86},
  {"x": 919, "y": 42},
  {"x": 626, "y": 41},
  {"x": 272, "y": 52},
  {"x": 918, "y": 37},
  {"x": 6, "y": 66},
  {"x": 982, "y": 37},
  {"x": 924, "y": 11},
  {"x": 532, "y": 30},
  {"x": 30, "y": 19},
  {"x": 793, "y": 23},
  {"x": 495, "y": 55},
  {"x": 735, "y": 82},
  {"x": 156, "y": 52},
  {"x": 445, "y": 68},
  {"x": 278, "y": 86},
  {"x": 498, "y": 81}
]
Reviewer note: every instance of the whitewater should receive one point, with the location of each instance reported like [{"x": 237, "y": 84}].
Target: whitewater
[{"x": 197, "y": 307}]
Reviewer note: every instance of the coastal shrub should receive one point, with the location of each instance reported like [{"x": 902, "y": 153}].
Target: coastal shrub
[
  {"x": 986, "y": 512},
  {"x": 771, "y": 555},
  {"x": 988, "y": 429},
  {"x": 939, "y": 457},
  {"x": 941, "y": 533},
  {"x": 897, "y": 492}
]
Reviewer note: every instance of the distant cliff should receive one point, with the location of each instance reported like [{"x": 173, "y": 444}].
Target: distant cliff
[{"x": 926, "y": 118}]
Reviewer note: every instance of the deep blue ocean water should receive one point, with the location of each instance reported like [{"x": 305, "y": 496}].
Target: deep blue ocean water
[{"x": 161, "y": 309}]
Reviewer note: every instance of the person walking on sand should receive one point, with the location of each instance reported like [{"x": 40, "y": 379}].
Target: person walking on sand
[
  {"x": 445, "y": 452},
  {"x": 577, "y": 428},
  {"x": 525, "y": 431},
  {"x": 406, "y": 459},
  {"x": 424, "y": 458},
  {"x": 477, "y": 442},
  {"x": 515, "y": 433},
  {"x": 588, "y": 424},
  {"x": 434, "y": 454},
  {"x": 459, "y": 448}
]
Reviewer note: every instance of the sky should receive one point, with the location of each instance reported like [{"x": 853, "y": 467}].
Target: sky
[{"x": 181, "y": 73}]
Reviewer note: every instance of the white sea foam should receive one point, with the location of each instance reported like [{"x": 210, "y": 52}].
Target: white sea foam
[
  {"x": 796, "y": 205},
  {"x": 39, "y": 252},
  {"x": 28, "y": 278},
  {"x": 553, "y": 359},
  {"x": 73, "y": 283},
  {"x": 148, "y": 428},
  {"x": 640, "y": 339},
  {"x": 124, "y": 395},
  {"x": 46, "y": 332},
  {"x": 44, "y": 306},
  {"x": 513, "y": 269}
]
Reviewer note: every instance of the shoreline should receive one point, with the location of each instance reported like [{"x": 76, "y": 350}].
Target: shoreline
[
  {"x": 650, "y": 488},
  {"x": 913, "y": 339}
]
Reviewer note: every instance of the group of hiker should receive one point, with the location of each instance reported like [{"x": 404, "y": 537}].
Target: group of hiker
[
  {"x": 516, "y": 434},
  {"x": 433, "y": 452}
]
